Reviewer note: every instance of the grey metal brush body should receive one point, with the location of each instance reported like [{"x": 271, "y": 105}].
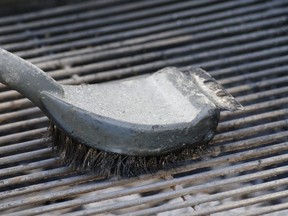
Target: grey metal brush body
[{"x": 146, "y": 116}]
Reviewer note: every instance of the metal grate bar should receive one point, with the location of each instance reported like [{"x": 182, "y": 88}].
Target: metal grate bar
[
  {"x": 268, "y": 209},
  {"x": 252, "y": 154},
  {"x": 250, "y": 119},
  {"x": 132, "y": 25},
  {"x": 44, "y": 186},
  {"x": 22, "y": 135},
  {"x": 197, "y": 201},
  {"x": 56, "y": 11},
  {"x": 23, "y": 168},
  {"x": 23, "y": 124},
  {"x": 25, "y": 156},
  {"x": 187, "y": 30},
  {"x": 233, "y": 205},
  {"x": 28, "y": 145},
  {"x": 108, "y": 54},
  {"x": 72, "y": 23},
  {"x": 246, "y": 202},
  {"x": 174, "y": 52},
  {"x": 7, "y": 117},
  {"x": 162, "y": 196}
]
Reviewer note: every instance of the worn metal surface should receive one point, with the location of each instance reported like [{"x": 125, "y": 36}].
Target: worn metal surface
[{"x": 243, "y": 44}]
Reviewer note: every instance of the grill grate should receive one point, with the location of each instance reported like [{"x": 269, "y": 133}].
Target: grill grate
[{"x": 243, "y": 44}]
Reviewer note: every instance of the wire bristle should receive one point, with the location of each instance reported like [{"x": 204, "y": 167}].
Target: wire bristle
[{"x": 85, "y": 158}]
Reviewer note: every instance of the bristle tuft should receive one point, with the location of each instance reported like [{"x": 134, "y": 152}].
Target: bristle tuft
[{"x": 85, "y": 158}]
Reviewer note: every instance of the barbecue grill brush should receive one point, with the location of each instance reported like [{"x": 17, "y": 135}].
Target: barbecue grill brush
[{"x": 126, "y": 127}]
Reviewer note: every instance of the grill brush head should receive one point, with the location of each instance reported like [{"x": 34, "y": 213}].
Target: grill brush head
[{"x": 126, "y": 127}]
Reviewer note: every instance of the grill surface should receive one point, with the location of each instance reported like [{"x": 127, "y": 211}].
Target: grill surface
[{"x": 243, "y": 44}]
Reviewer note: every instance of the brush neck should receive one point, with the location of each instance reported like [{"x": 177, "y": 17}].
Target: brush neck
[{"x": 26, "y": 78}]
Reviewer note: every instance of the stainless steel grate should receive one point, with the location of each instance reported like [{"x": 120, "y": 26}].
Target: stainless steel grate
[{"x": 243, "y": 44}]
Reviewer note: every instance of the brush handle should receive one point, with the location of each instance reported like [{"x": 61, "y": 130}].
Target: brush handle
[{"x": 26, "y": 78}]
